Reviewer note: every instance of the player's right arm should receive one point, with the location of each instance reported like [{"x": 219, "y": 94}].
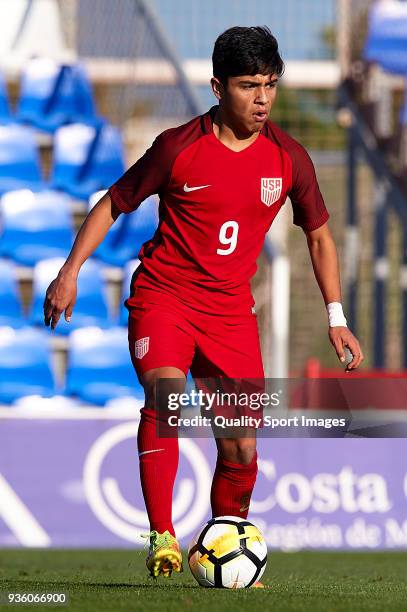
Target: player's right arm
[
  {"x": 147, "y": 176},
  {"x": 61, "y": 294}
]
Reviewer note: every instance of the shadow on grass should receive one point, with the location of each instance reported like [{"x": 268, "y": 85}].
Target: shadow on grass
[
  {"x": 75, "y": 584},
  {"x": 143, "y": 585}
]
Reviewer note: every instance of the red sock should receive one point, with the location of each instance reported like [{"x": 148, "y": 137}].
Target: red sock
[
  {"x": 158, "y": 468},
  {"x": 232, "y": 487}
]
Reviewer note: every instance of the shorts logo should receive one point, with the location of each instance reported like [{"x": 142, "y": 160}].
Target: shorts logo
[
  {"x": 270, "y": 190},
  {"x": 141, "y": 347}
]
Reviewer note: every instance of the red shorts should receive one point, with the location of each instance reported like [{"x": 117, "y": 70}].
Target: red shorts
[{"x": 165, "y": 332}]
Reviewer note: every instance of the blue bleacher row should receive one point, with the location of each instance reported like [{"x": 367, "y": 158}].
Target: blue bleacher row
[
  {"x": 99, "y": 364},
  {"x": 99, "y": 367},
  {"x": 92, "y": 304},
  {"x": 51, "y": 95},
  {"x": 37, "y": 231},
  {"x": 85, "y": 159},
  {"x": 386, "y": 42},
  {"x": 37, "y": 226},
  {"x": 386, "y": 37},
  {"x": 87, "y": 152}
]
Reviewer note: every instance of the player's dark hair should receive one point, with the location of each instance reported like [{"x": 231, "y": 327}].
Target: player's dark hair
[{"x": 241, "y": 50}]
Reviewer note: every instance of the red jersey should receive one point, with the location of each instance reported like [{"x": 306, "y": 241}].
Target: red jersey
[{"x": 216, "y": 205}]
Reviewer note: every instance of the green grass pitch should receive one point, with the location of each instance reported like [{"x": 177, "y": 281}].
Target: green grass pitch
[{"x": 116, "y": 580}]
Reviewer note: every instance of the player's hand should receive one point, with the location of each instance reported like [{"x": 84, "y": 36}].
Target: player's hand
[
  {"x": 60, "y": 297},
  {"x": 341, "y": 338}
]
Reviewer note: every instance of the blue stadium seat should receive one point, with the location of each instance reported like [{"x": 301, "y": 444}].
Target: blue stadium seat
[
  {"x": 129, "y": 270},
  {"x": 387, "y": 36},
  {"x": 39, "y": 103},
  {"x": 5, "y": 116},
  {"x": 53, "y": 95},
  {"x": 128, "y": 233},
  {"x": 20, "y": 165},
  {"x": 84, "y": 102},
  {"x": 25, "y": 367},
  {"x": 99, "y": 366},
  {"x": 11, "y": 312},
  {"x": 86, "y": 159},
  {"x": 91, "y": 306},
  {"x": 35, "y": 226}
]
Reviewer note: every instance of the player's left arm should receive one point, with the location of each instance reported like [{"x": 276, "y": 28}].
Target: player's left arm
[{"x": 325, "y": 263}]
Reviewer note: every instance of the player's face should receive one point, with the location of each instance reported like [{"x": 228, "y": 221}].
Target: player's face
[{"x": 246, "y": 101}]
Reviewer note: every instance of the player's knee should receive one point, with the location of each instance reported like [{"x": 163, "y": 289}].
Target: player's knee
[
  {"x": 246, "y": 452},
  {"x": 159, "y": 383},
  {"x": 239, "y": 450}
]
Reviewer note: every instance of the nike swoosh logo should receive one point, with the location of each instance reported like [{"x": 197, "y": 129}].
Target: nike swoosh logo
[
  {"x": 244, "y": 508},
  {"x": 186, "y": 188},
  {"x": 155, "y": 450}
]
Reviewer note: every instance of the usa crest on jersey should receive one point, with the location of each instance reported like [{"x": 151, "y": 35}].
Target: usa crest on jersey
[
  {"x": 141, "y": 347},
  {"x": 270, "y": 190}
]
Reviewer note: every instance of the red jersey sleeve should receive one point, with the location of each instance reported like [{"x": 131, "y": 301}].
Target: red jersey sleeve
[
  {"x": 308, "y": 204},
  {"x": 149, "y": 175}
]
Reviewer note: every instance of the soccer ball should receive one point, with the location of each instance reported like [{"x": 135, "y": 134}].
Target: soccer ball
[{"x": 228, "y": 552}]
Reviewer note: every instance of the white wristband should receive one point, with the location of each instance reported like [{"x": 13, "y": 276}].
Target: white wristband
[{"x": 336, "y": 318}]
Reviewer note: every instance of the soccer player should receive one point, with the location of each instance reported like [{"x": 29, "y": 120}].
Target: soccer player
[{"x": 221, "y": 178}]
